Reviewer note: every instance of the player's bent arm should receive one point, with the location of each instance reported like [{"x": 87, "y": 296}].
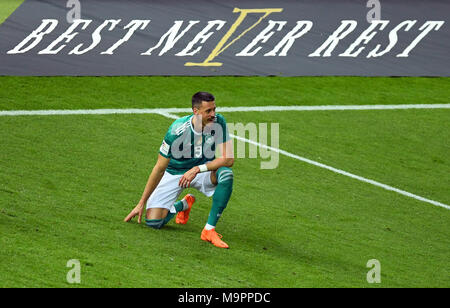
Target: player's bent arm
[
  {"x": 226, "y": 158},
  {"x": 218, "y": 163},
  {"x": 155, "y": 177},
  {"x": 153, "y": 181}
]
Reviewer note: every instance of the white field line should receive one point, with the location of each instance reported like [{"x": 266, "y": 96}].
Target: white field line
[
  {"x": 335, "y": 170},
  {"x": 167, "y": 112},
  {"x": 219, "y": 109},
  {"x": 342, "y": 172}
]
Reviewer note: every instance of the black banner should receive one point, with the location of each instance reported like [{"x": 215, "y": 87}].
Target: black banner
[{"x": 233, "y": 37}]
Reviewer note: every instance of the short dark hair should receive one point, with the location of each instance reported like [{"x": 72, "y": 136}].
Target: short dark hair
[{"x": 200, "y": 97}]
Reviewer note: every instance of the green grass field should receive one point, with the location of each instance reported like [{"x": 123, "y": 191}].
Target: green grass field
[
  {"x": 67, "y": 182},
  {"x": 7, "y": 7}
]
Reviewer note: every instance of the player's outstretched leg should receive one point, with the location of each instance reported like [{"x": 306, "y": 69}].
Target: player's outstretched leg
[
  {"x": 184, "y": 209},
  {"x": 220, "y": 201}
]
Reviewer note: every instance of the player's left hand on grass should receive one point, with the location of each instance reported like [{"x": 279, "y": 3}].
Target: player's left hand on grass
[
  {"x": 137, "y": 211},
  {"x": 188, "y": 177}
]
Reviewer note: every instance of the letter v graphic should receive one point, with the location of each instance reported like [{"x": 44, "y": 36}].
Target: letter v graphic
[{"x": 220, "y": 46}]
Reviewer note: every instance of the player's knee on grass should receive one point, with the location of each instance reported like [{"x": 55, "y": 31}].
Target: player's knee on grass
[
  {"x": 159, "y": 223},
  {"x": 154, "y": 223}
]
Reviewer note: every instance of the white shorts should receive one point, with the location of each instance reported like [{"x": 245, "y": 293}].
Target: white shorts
[{"x": 168, "y": 190}]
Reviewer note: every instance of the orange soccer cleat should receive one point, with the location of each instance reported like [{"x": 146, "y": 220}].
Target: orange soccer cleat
[
  {"x": 183, "y": 217},
  {"x": 213, "y": 237}
]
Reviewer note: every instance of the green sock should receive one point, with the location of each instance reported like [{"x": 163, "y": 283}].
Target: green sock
[
  {"x": 159, "y": 223},
  {"x": 154, "y": 223},
  {"x": 221, "y": 195},
  {"x": 181, "y": 206},
  {"x": 168, "y": 218}
]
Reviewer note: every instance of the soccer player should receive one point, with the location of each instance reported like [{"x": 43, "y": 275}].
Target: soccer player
[{"x": 187, "y": 158}]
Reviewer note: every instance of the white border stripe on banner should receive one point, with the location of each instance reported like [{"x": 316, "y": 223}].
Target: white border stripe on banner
[{"x": 163, "y": 111}]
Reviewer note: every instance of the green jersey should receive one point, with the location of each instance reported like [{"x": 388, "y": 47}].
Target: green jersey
[{"x": 188, "y": 148}]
